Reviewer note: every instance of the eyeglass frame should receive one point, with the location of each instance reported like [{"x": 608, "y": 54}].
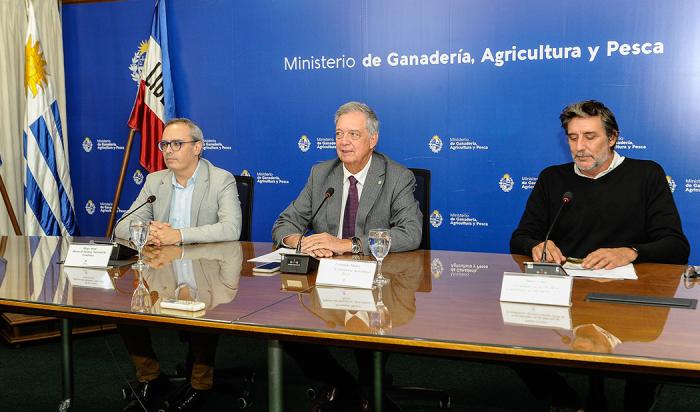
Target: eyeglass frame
[{"x": 176, "y": 145}]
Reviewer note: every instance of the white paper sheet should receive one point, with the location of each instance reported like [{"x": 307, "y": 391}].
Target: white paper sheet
[
  {"x": 622, "y": 272},
  {"x": 272, "y": 256}
]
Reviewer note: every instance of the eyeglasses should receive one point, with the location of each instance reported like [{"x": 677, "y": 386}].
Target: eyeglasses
[
  {"x": 175, "y": 144},
  {"x": 354, "y": 134}
]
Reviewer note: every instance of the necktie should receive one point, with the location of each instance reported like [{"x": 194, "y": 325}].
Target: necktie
[{"x": 351, "y": 205}]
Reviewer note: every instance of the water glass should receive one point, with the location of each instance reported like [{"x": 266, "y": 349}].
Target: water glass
[{"x": 379, "y": 245}]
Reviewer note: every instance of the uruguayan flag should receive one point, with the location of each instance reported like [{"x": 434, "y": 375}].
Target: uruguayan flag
[{"x": 48, "y": 193}]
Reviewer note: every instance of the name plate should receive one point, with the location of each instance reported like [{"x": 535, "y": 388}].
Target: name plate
[
  {"x": 543, "y": 316},
  {"x": 346, "y": 299},
  {"x": 88, "y": 255},
  {"x": 540, "y": 289},
  {"x": 88, "y": 278},
  {"x": 346, "y": 273}
]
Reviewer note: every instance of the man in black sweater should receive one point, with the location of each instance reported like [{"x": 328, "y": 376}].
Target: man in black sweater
[{"x": 622, "y": 212}]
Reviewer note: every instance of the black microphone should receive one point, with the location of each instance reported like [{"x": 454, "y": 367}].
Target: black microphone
[
  {"x": 151, "y": 199},
  {"x": 119, "y": 250},
  {"x": 297, "y": 262},
  {"x": 565, "y": 199},
  {"x": 329, "y": 193}
]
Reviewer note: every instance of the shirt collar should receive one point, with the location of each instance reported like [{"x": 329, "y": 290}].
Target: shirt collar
[
  {"x": 617, "y": 160},
  {"x": 360, "y": 176},
  {"x": 190, "y": 181}
]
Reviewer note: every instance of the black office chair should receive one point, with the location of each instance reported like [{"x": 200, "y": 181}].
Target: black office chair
[
  {"x": 245, "y": 195},
  {"x": 398, "y": 393},
  {"x": 422, "y": 195}
]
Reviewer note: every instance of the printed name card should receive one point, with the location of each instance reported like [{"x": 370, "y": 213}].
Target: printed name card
[
  {"x": 346, "y": 273},
  {"x": 543, "y": 316},
  {"x": 88, "y": 255},
  {"x": 88, "y": 278},
  {"x": 540, "y": 289},
  {"x": 346, "y": 299}
]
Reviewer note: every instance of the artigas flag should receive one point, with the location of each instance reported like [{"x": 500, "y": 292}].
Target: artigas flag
[
  {"x": 48, "y": 194},
  {"x": 155, "y": 100}
]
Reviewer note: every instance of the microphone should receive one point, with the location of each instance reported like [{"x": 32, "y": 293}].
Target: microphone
[
  {"x": 565, "y": 199},
  {"x": 301, "y": 263},
  {"x": 150, "y": 199},
  {"x": 329, "y": 193},
  {"x": 119, "y": 250}
]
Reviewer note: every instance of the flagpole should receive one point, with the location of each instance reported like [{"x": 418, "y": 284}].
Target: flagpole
[
  {"x": 120, "y": 184},
  {"x": 10, "y": 211}
]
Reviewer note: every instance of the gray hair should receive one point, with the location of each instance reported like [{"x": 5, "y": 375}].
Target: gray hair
[
  {"x": 349, "y": 107},
  {"x": 590, "y": 108},
  {"x": 195, "y": 132}
]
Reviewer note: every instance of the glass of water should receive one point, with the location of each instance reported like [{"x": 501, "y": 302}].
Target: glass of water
[
  {"x": 379, "y": 245},
  {"x": 141, "y": 299},
  {"x": 138, "y": 230}
]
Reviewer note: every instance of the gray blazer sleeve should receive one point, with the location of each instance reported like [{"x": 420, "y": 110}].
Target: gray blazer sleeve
[
  {"x": 405, "y": 221},
  {"x": 145, "y": 213},
  {"x": 219, "y": 214}
]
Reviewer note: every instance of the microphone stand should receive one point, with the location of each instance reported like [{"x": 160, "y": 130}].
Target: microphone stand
[{"x": 298, "y": 262}]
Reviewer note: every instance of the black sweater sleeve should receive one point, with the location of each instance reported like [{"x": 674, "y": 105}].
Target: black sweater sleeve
[
  {"x": 535, "y": 220},
  {"x": 667, "y": 243}
]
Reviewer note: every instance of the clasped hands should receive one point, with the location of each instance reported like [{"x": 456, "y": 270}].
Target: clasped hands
[
  {"x": 320, "y": 245},
  {"x": 162, "y": 234},
  {"x": 603, "y": 258}
]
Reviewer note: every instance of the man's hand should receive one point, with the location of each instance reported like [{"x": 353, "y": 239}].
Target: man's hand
[
  {"x": 553, "y": 253},
  {"x": 159, "y": 257},
  {"x": 161, "y": 234},
  {"x": 609, "y": 258},
  {"x": 325, "y": 245}
]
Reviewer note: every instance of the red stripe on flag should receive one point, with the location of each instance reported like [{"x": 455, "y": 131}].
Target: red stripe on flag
[{"x": 147, "y": 122}]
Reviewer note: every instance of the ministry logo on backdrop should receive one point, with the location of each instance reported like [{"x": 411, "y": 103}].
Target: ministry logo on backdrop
[
  {"x": 213, "y": 144},
  {"x": 465, "y": 219},
  {"x": 87, "y": 145},
  {"x": 435, "y": 144},
  {"x": 245, "y": 172},
  {"x": 436, "y": 268},
  {"x": 624, "y": 143},
  {"x": 270, "y": 178},
  {"x": 304, "y": 143},
  {"x": 671, "y": 183},
  {"x": 138, "y": 177},
  {"x": 137, "y": 61},
  {"x": 528, "y": 182},
  {"x": 436, "y": 218},
  {"x": 90, "y": 207},
  {"x": 506, "y": 183}
]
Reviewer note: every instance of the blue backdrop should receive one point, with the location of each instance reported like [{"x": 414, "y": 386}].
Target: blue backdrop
[{"x": 471, "y": 90}]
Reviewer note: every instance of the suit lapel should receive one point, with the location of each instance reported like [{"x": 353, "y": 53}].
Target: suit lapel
[
  {"x": 161, "y": 207},
  {"x": 371, "y": 190},
  {"x": 200, "y": 184},
  {"x": 335, "y": 180}
]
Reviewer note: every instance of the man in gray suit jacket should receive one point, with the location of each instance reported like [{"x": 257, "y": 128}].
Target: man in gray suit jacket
[
  {"x": 381, "y": 190},
  {"x": 372, "y": 192},
  {"x": 196, "y": 202}
]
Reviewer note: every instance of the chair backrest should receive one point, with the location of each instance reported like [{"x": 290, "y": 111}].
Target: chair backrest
[
  {"x": 422, "y": 195},
  {"x": 245, "y": 195}
]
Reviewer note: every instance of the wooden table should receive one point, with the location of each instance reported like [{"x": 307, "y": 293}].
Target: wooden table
[{"x": 441, "y": 303}]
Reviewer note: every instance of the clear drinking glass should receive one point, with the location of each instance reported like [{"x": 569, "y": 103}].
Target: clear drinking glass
[
  {"x": 141, "y": 299},
  {"x": 138, "y": 230},
  {"x": 379, "y": 245},
  {"x": 380, "y": 321}
]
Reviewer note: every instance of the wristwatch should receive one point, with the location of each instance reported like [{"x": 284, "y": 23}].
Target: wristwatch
[{"x": 356, "y": 246}]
